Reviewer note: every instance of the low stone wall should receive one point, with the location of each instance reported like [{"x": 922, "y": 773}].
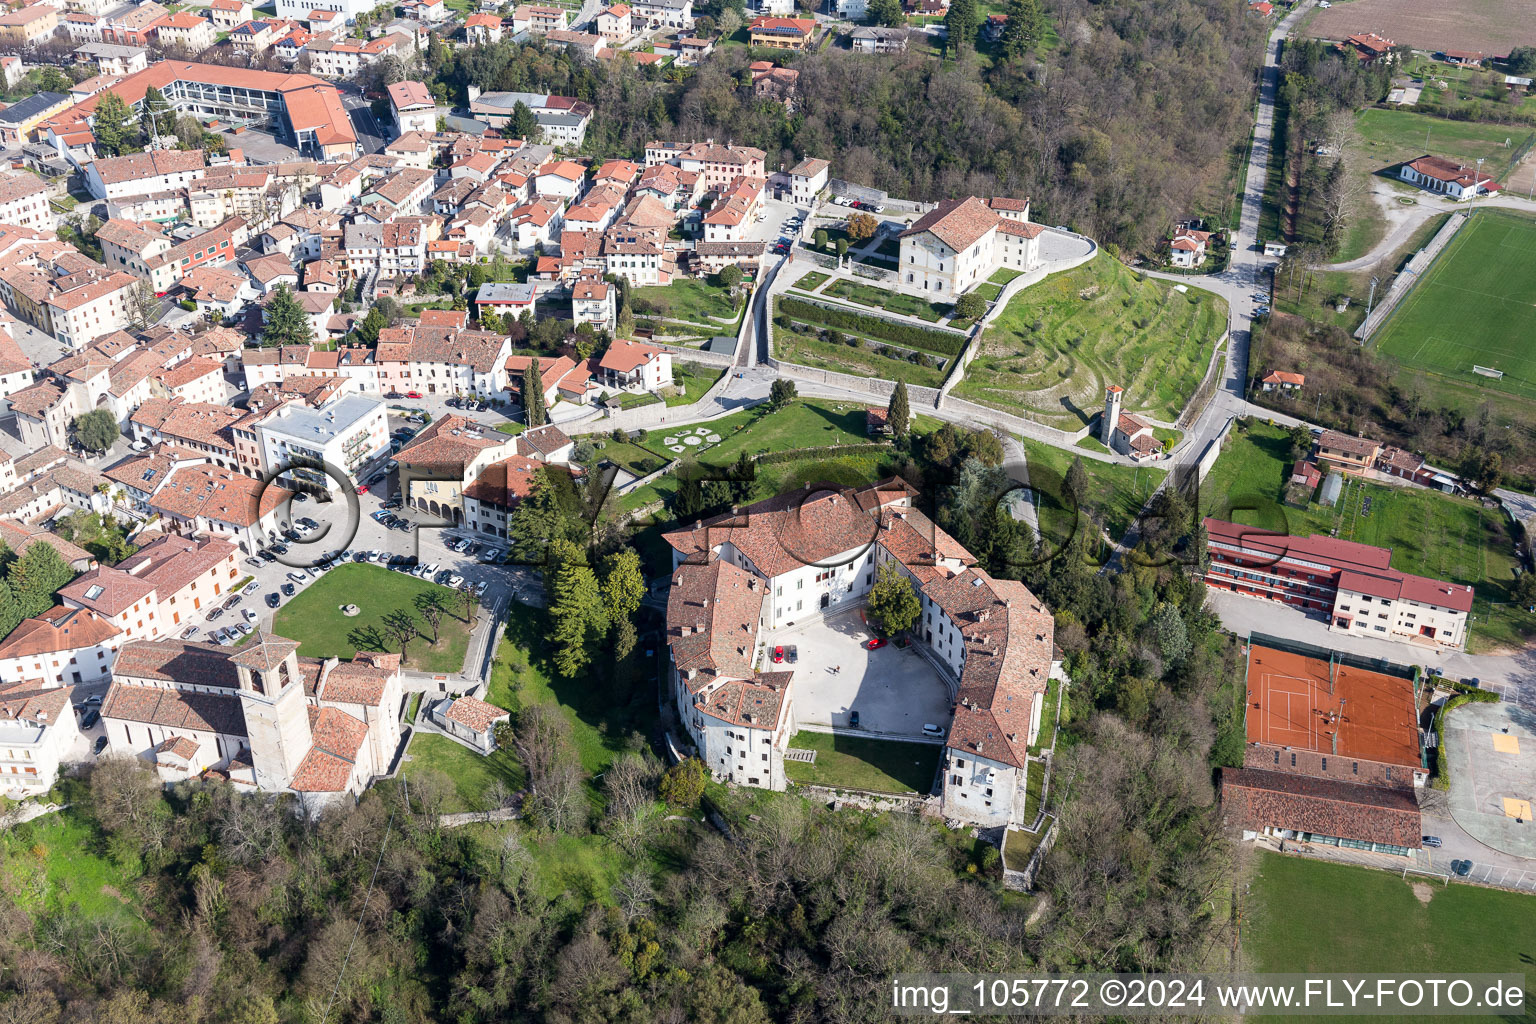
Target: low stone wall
[
  {"x": 984, "y": 414},
  {"x": 1403, "y": 283},
  {"x": 871, "y": 801}
]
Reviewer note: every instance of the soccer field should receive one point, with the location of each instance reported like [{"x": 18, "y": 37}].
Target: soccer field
[
  {"x": 1476, "y": 305},
  {"x": 1304, "y": 915}
]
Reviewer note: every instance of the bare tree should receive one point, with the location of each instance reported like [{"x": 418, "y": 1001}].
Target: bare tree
[
  {"x": 562, "y": 799},
  {"x": 635, "y": 894},
  {"x": 542, "y": 740},
  {"x": 400, "y": 626},
  {"x": 429, "y": 605}
]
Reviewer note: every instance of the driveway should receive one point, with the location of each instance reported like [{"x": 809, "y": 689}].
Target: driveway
[{"x": 894, "y": 691}]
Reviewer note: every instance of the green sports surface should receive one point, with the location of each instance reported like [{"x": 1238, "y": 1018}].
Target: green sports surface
[{"x": 1476, "y": 305}]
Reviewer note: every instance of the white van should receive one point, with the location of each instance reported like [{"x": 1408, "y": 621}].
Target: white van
[{"x": 929, "y": 729}]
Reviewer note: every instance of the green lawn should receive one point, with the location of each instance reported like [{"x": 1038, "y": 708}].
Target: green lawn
[
  {"x": 810, "y": 281},
  {"x": 511, "y": 427},
  {"x": 472, "y": 772},
  {"x": 57, "y": 862},
  {"x": 1475, "y": 305},
  {"x": 863, "y": 361},
  {"x": 853, "y": 762},
  {"x": 688, "y": 299},
  {"x": 891, "y": 302},
  {"x": 1048, "y": 716},
  {"x": 1304, "y": 915},
  {"x": 692, "y": 380},
  {"x": 635, "y": 400},
  {"x": 631, "y": 457},
  {"x": 804, "y": 423},
  {"x": 1021, "y": 846},
  {"x": 603, "y": 712},
  {"x": 1004, "y": 275},
  {"x": 1060, "y": 342},
  {"x": 314, "y": 618},
  {"x": 1430, "y": 533},
  {"x": 1115, "y": 495}
]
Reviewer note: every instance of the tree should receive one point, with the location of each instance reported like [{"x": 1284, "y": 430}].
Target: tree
[
  {"x": 985, "y": 446},
  {"x": 683, "y": 783},
  {"x": 112, "y": 124},
  {"x": 729, "y": 276},
  {"x": 780, "y": 393},
  {"x": 369, "y": 327},
  {"x": 400, "y": 626},
  {"x": 143, "y": 306},
  {"x": 623, "y": 583},
  {"x": 886, "y": 12},
  {"x": 743, "y": 474},
  {"x": 1522, "y": 60},
  {"x": 1524, "y": 590},
  {"x": 579, "y": 618},
  {"x": 841, "y": 247},
  {"x": 1023, "y": 29},
  {"x": 1172, "y": 635},
  {"x": 1076, "y": 482},
  {"x": 429, "y": 605},
  {"x": 892, "y": 601},
  {"x": 522, "y": 124},
  {"x": 189, "y": 132},
  {"x": 898, "y": 414},
  {"x": 961, "y": 23},
  {"x": 542, "y": 518},
  {"x": 533, "y": 395},
  {"x": 36, "y": 577},
  {"x": 97, "y": 430},
  {"x": 287, "y": 323},
  {"x": 970, "y": 306},
  {"x": 861, "y": 226},
  {"x": 159, "y": 117},
  {"x": 819, "y": 238}
]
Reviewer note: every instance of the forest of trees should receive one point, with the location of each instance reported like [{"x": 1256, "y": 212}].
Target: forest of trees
[{"x": 1126, "y": 126}]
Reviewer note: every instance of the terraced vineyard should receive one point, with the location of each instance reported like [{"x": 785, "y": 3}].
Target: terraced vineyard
[{"x": 1052, "y": 351}]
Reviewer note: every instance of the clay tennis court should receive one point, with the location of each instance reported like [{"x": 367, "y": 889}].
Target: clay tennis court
[{"x": 1331, "y": 708}]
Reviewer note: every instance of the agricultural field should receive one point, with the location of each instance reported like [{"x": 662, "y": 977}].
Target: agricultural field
[
  {"x": 1492, "y": 26},
  {"x": 1305, "y": 915},
  {"x": 1430, "y": 533},
  {"x": 1474, "y": 306},
  {"x": 1057, "y": 344}
]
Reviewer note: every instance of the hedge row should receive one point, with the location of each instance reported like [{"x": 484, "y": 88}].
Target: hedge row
[
  {"x": 1468, "y": 695},
  {"x": 795, "y": 454},
  {"x": 874, "y": 326}
]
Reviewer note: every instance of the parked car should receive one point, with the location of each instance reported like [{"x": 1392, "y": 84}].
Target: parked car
[
  {"x": 413, "y": 394},
  {"x": 792, "y": 653},
  {"x": 288, "y": 590},
  {"x": 1474, "y": 682},
  {"x": 929, "y": 729},
  {"x": 244, "y": 627},
  {"x": 101, "y": 744},
  {"x": 778, "y": 655},
  {"x": 1462, "y": 868},
  {"x": 296, "y": 577},
  {"x": 280, "y": 549},
  {"x": 362, "y": 488},
  {"x": 189, "y": 633},
  {"x": 394, "y": 394},
  {"x": 273, "y": 600},
  {"x": 300, "y": 496},
  {"x": 231, "y": 602},
  {"x": 455, "y": 581},
  {"x": 90, "y": 719},
  {"x": 254, "y": 562},
  {"x": 444, "y": 576},
  {"x": 215, "y": 614},
  {"x": 481, "y": 588},
  {"x": 877, "y": 643},
  {"x": 1433, "y": 842},
  {"x": 249, "y": 615},
  {"x": 93, "y": 700},
  {"x": 251, "y": 588}
]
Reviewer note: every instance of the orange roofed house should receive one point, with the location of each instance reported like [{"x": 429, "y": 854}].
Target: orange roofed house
[
  {"x": 739, "y": 576},
  {"x": 782, "y": 33},
  {"x": 1450, "y": 179},
  {"x": 1333, "y": 754}
]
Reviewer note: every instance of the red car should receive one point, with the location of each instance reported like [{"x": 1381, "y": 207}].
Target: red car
[
  {"x": 778, "y": 654},
  {"x": 362, "y": 488},
  {"x": 413, "y": 394},
  {"x": 877, "y": 643}
]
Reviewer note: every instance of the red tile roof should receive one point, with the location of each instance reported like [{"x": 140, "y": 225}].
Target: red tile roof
[
  {"x": 958, "y": 223},
  {"x": 1255, "y": 800},
  {"x": 57, "y": 630},
  {"x": 475, "y": 714}
]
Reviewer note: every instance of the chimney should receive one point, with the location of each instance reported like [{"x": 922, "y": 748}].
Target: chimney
[{"x": 705, "y": 602}]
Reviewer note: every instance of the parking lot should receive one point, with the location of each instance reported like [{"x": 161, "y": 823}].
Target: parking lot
[
  {"x": 337, "y": 527},
  {"x": 895, "y": 692}
]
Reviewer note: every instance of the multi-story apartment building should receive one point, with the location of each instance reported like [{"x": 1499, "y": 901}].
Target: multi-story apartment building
[{"x": 346, "y": 434}]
